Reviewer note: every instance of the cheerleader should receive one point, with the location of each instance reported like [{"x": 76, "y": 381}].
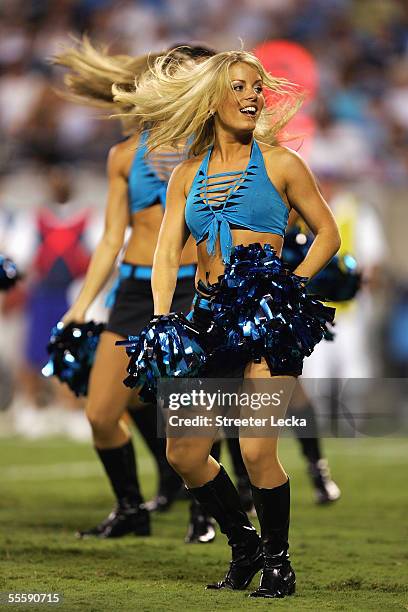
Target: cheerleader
[
  {"x": 136, "y": 196},
  {"x": 233, "y": 195}
]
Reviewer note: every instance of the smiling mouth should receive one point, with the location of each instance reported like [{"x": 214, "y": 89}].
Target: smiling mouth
[{"x": 249, "y": 110}]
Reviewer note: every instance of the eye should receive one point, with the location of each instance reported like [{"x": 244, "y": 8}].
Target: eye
[
  {"x": 237, "y": 87},
  {"x": 258, "y": 89}
]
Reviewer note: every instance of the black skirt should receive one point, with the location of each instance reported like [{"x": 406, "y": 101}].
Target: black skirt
[{"x": 133, "y": 307}]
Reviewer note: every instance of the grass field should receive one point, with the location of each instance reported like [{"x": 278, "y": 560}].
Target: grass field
[{"x": 350, "y": 556}]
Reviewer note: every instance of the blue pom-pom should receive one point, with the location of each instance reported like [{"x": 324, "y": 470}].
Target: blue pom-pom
[
  {"x": 265, "y": 310},
  {"x": 8, "y": 273},
  {"x": 169, "y": 346},
  {"x": 72, "y": 353},
  {"x": 295, "y": 247},
  {"x": 339, "y": 281}
]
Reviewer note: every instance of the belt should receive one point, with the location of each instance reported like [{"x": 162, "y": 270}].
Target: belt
[
  {"x": 201, "y": 302},
  {"x": 128, "y": 270}
]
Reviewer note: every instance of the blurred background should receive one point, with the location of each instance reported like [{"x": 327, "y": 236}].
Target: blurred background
[
  {"x": 354, "y": 133},
  {"x": 53, "y": 153}
]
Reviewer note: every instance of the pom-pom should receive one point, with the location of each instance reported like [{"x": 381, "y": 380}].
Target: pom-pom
[
  {"x": 8, "y": 273},
  {"x": 339, "y": 281},
  {"x": 295, "y": 247},
  {"x": 169, "y": 346},
  {"x": 72, "y": 352},
  {"x": 265, "y": 311}
]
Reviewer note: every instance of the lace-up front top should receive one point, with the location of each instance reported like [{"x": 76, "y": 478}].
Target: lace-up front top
[
  {"x": 242, "y": 200},
  {"x": 149, "y": 175}
]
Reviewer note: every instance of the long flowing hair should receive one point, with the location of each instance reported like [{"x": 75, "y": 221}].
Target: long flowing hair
[
  {"x": 93, "y": 70},
  {"x": 179, "y": 105}
]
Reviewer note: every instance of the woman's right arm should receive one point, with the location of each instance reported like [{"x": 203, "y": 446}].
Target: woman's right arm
[
  {"x": 172, "y": 238},
  {"x": 105, "y": 254}
]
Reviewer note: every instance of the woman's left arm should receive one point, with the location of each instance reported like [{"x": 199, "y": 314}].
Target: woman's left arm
[{"x": 305, "y": 197}]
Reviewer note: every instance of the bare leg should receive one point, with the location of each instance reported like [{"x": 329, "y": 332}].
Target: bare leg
[
  {"x": 107, "y": 396},
  {"x": 191, "y": 459},
  {"x": 107, "y": 401},
  {"x": 271, "y": 494},
  {"x": 260, "y": 455}
]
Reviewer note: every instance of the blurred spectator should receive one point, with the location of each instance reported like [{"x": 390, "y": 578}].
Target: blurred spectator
[
  {"x": 353, "y": 352},
  {"x": 360, "y": 45},
  {"x": 20, "y": 89},
  {"x": 361, "y": 113},
  {"x": 339, "y": 147},
  {"x": 52, "y": 246},
  {"x": 397, "y": 335}
]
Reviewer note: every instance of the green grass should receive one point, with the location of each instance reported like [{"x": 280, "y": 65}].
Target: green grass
[{"x": 350, "y": 556}]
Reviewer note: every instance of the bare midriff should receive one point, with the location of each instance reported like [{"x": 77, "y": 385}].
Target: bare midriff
[
  {"x": 210, "y": 267},
  {"x": 143, "y": 239}
]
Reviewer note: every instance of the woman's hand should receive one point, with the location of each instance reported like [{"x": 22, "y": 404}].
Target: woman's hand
[{"x": 73, "y": 315}]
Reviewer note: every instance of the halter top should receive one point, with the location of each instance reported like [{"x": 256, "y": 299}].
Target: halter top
[
  {"x": 149, "y": 175},
  {"x": 243, "y": 199}
]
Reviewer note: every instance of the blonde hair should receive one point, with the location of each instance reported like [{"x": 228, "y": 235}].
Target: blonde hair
[
  {"x": 93, "y": 70},
  {"x": 178, "y": 105}
]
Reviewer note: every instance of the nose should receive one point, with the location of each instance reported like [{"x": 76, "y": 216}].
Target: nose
[{"x": 251, "y": 95}]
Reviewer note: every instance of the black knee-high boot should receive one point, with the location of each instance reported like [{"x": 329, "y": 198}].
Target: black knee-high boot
[
  {"x": 200, "y": 528},
  {"x": 220, "y": 499},
  {"x": 129, "y": 516},
  {"x": 308, "y": 437},
  {"x": 273, "y": 509},
  {"x": 170, "y": 483},
  {"x": 326, "y": 490}
]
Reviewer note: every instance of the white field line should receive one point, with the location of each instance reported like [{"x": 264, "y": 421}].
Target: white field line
[
  {"x": 385, "y": 450},
  {"x": 389, "y": 452},
  {"x": 59, "y": 471}
]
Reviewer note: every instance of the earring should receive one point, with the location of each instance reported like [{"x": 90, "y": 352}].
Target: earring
[{"x": 212, "y": 113}]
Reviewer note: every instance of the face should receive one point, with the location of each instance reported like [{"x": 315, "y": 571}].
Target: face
[
  {"x": 245, "y": 100},
  {"x": 59, "y": 185}
]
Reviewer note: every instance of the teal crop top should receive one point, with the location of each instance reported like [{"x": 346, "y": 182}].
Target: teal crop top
[
  {"x": 245, "y": 199},
  {"x": 149, "y": 175}
]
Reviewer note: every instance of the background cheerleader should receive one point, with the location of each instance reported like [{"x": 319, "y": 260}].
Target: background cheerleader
[
  {"x": 226, "y": 196},
  {"x": 137, "y": 187}
]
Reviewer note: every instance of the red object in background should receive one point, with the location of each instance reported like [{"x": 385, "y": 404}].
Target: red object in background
[
  {"x": 284, "y": 58},
  {"x": 61, "y": 241},
  {"x": 298, "y": 134}
]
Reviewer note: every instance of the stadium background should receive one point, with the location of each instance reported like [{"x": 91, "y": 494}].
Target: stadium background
[{"x": 348, "y": 555}]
